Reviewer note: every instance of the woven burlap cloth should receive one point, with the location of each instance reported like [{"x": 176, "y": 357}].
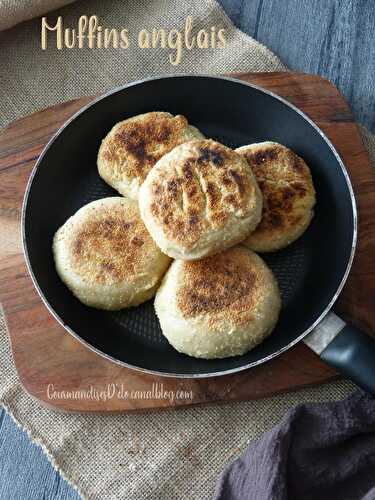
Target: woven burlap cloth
[{"x": 161, "y": 455}]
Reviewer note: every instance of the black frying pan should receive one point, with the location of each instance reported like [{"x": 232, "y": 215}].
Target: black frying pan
[{"x": 310, "y": 272}]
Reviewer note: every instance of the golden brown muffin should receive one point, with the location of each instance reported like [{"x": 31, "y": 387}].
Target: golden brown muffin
[
  {"x": 288, "y": 195},
  {"x": 105, "y": 255},
  {"x": 199, "y": 199},
  {"x": 133, "y": 146},
  {"x": 219, "y": 306}
]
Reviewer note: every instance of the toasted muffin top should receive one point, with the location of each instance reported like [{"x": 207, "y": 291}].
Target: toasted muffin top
[
  {"x": 133, "y": 146},
  {"x": 225, "y": 287},
  {"x": 198, "y": 189},
  {"x": 106, "y": 242},
  {"x": 288, "y": 194}
]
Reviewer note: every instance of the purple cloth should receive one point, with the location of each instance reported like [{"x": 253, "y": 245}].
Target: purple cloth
[{"x": 318, "y": 451}]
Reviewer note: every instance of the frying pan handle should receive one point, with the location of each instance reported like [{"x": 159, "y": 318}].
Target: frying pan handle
[{"x": 353, "y": 353}]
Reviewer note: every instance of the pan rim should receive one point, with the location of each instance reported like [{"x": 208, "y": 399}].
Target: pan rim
[{"x": 190, "y": 375}]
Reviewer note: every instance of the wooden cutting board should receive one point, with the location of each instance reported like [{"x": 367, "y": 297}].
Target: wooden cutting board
[{"x": 61, "y": 373}]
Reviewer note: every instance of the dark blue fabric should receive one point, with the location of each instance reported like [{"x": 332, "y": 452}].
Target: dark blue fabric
[{"x": 317, "y": 452}]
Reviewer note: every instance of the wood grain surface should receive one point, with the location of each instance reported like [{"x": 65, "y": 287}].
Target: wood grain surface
[
  {"x": 332, "y": 38},
  {"x": 46, "y": 356}
]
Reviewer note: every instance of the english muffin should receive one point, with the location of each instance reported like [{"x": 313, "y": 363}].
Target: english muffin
[
  {"x": 200, "y": 199},
  {"x": 133, "y": 146},
  {"x": 219, "y": 306},
  {"x": 288, "y": 195},
  {"x": 105, "y": 255}
]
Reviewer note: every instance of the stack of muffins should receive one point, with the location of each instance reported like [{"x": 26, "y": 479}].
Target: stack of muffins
[{"x": 208, "y": 207}]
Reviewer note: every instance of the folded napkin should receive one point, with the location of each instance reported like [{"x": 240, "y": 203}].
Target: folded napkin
[{"x": 317, "y": 451}]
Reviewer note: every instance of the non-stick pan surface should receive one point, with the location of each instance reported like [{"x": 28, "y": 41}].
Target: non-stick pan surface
[{"x": 310, "y": 272}]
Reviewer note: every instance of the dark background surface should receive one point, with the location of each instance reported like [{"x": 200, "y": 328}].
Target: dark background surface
[{"x": 333, "y": 38}]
